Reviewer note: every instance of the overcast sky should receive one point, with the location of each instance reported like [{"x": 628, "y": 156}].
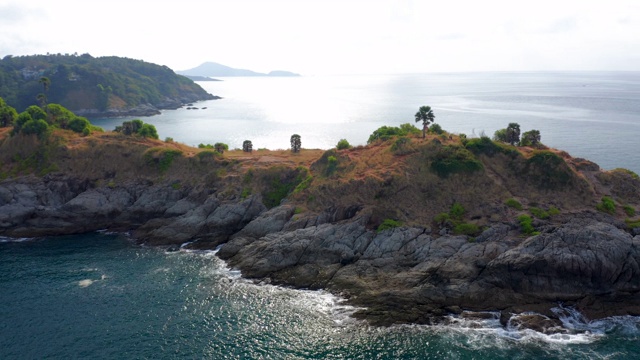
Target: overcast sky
[{"x": 335, "y": 37}]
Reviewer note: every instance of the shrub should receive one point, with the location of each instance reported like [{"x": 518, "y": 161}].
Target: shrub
[
  {"x": 78, "y": 124},
  {"x": 466, "y": 229},
  {"x": 161, "y": 158},
  {"x": 513, "y": 203},
  {"x": 389, "y": 224},
  {"x": 626, "y": 171},
  {"x": 168, "y": 139},
  {"x": 207, "y": 155},
  {"x": 526, "y": 225},
  {"x": 221, "y": 147},
  {"x": 553, "y": 211},
  {"x": 539, "y": 213},
  {"x": 633, "y": 223},
  {"x": 402, "y": 146},
  {"x": 455, "y": 159},
  {"x": 436, "y": 129},
  {"x": 332, "y": 164},
  {"x": 387, "y": 132},
  {"x": 607, "y": 205},
  {"x": 441, "y": 218},
  {"x": 343, "y": 144},
  {"x": 629, "y": 210},
  {"x": 457, "y": 211}
]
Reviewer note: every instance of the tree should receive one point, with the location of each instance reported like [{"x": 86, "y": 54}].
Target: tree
[
  {"x": 45, "y": 83},
  {"x": 513, "y": 133},
  {"x": 343, "y": 144},
  {"x": 247, "y": 146},
  {"x": 500, "y": 135},
  {"x": 42, "y": 98},
  {"x": 78, "y": 124},
  {"x": 425, "y": 114},
  {"x": 295, "y": 143},
  {"x": 7, "y": 114},
  {"x": 148, "y": 130},
  {"x": 530, "y": 138},
  {"x": 221, "y": 147}
]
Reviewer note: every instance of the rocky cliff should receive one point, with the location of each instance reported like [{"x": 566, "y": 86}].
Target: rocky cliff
[{"x": 303, "y": 222}]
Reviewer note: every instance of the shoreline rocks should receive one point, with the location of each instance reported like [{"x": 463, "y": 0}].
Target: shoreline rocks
[{"x": 401, "y": 275}]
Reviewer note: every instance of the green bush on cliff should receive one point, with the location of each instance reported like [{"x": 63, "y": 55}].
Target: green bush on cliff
[
  {"x": 629, "y": 210},
  {"x": 453, "y": 159},
  {"x": 343, "y": 144},
  {"x": 387, "y": 132},
  {"x": 161, "y": 158},
  {"x": 468, "y": 229},
  {"x": 388, "y": 224},
  {"x": 607, "y": 205},
  {"x": 513, "y": 203},
  {"x": 539, "y": 213},
  {"x": 526, "y": 225}
]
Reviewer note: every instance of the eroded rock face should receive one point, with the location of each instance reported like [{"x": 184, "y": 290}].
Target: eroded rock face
[{"x": 406, "y": 274}]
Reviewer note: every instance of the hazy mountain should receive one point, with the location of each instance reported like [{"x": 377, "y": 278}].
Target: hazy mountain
[{"x": 210, "y": 69}]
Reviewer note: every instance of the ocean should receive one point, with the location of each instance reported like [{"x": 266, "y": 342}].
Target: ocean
[
  {"x": 593, "y": 115},
  {"x": 100, "y": 296}
]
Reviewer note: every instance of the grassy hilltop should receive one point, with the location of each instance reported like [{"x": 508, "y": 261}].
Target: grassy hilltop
[{"x": 441, "y": 181}]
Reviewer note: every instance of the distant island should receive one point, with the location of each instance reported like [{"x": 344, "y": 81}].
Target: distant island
[
  {"x": 95, "y": 87},
  {"x": 211, "y": 69}
]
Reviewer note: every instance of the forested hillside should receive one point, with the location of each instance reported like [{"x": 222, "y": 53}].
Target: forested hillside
[{"x": 103, "y": 86}]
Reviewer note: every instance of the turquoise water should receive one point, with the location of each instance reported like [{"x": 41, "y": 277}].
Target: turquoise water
[
  {"x": 593, "y": 115},
  {"x": 100, "y": 296}
]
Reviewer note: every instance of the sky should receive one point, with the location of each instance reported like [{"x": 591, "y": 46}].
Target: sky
[{"x": 315, "y": 37}]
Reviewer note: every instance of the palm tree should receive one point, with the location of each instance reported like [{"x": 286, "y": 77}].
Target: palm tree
[{"x": 425, "y": 114}]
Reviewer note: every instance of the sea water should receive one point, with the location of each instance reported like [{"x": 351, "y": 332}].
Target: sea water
[
  {"x": 99, "y": 296},
  {"x": 593, "y": 115}
]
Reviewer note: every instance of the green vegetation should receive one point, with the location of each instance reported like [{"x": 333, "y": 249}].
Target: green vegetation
[
  {"x": 402, "y": 146},
  {"x": 626, "y": 171},
  {"x": 295, "y": 143},
  {"x": 607, "y": 205},
  {"x": 530, "y": 138},
  {"x": 513, "y": 203},
  {"x": 539, "y": 213},
  {"x": 385, "y": 133},
  {"x": 41, "y": 121},
  {"x": 547, "y": 170},
  {"x": 137, "y": 127},
  {"x": 221, "y": 147},
  {"x": 332, "y": 164},
  {"x": 388, "y": 224},
  {"x": 484, "y": 145},
  {"x": 7, "y": 114},
  {"x": 468, "y": 229},
  {"x": 526, "y": 225},
  {"x": 632, "y": 224},
  {"x": 247, "y": 146},
  {"x": 629, "y": 210},
  {"x": 85, "y": 82},
  {"x": 161, "y": 158},
  {"x": 279, "y": 182},
  {"x": 454, "y": 159},
  {"x": 343, "y": 144},
  {"x": 425, "y": 114},
  {"x": 513, "y": 133},
  {"x": 436, "y": 129},
  {"x": 455, "y": 220}
]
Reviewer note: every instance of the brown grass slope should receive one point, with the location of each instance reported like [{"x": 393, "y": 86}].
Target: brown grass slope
[{"x": 410, "y": 181}]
